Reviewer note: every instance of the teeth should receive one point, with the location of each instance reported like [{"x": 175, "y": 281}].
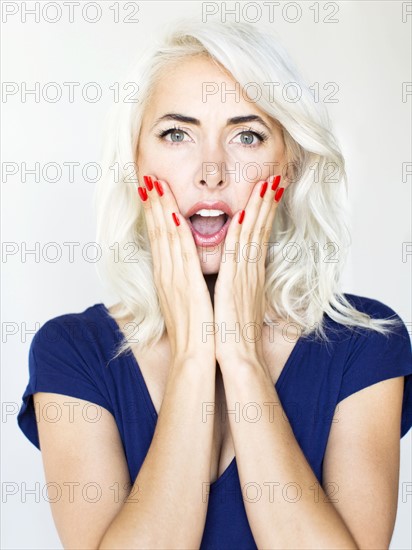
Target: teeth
[{"x": 206, "y": 213}]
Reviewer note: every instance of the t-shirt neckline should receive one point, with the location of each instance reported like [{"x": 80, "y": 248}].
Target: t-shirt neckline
[{"x": 153, "y": 413}]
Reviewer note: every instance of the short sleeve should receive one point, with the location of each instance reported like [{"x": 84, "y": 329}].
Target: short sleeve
[
  {"x": 59, "y": 363},
  {"x": 374, "y": 357}
]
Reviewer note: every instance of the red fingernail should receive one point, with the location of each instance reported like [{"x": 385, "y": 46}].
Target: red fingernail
[
  {"x": 279, "y": 193},
  {"x": 241, "y": 216},
  {"x": 159, "y": 187},
  {"x": 148, "y": 182},
  {"x": 143, "y": 193},
  {"x": 276, "y": 181},
  {"x": 175, "y": 219},
  {"x": 263, "y": 189}
]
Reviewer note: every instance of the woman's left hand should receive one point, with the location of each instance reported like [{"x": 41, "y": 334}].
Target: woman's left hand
[{"x": 239, "y": 299}]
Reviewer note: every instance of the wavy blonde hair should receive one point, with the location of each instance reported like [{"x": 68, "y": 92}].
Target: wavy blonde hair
[{"x": 310, "y": 218}]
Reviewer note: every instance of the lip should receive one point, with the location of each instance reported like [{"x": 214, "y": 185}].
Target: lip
[
  {"x": 209, "y": 240},
  {"x": 210, "y": 205}
]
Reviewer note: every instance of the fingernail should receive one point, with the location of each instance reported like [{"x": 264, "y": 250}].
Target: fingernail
[
  {"x": 276, "y": 181},
  {"x": 148, "y": 182},
  {"x": 241, "y": 216},
  {"x": 143, "y": 193},
  {"x": 159, "y": 187},
  {"x": 263, "y": 189},
  {"x": 175, "y": 219},
  {"x": 279, "y": 193}
]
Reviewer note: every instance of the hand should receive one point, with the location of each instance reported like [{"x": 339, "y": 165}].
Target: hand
[
  {"x": 183, "y": 294},
  {"x": 239, "y": 301}
]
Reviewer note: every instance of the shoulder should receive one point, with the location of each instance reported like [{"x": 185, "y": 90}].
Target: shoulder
[
  {"x": 363, "y": 444},
  {"x": 84, "y": 316},
  {"x": 73, "y": 328},
  {"x": 87, "y": 338},
  {"x": 373, "y": 307},
  {"x": 70, "y": 355},
  {"x": 397, "y": 329},
  {"x": 395, "y": 341},
  {"x": 371, "y": 356}
]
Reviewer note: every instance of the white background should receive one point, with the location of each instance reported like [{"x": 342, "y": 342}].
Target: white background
[{"x": 367, "y": 53}]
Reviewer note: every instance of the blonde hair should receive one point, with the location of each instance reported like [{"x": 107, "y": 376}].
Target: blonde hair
[{"x": 310, "y": 218}]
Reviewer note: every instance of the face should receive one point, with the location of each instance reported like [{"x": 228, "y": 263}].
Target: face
[{"x": 212, "y": 156}]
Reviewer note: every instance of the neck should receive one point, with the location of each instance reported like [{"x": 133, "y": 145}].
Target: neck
[{"x": 211, "y": 279}]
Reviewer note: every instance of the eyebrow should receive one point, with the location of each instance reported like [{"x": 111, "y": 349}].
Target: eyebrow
[{"x": 229, "y": 122}]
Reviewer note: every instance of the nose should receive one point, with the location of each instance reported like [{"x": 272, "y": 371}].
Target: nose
[
  {"x": 212, "y": 172},
  {"x": 211, "y": 182}
]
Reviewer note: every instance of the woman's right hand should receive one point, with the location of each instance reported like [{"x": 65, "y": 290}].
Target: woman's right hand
[{"x": 181, "y": 287}]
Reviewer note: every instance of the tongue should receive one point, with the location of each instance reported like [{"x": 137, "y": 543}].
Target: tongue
[{"x": 208, "y": 225}]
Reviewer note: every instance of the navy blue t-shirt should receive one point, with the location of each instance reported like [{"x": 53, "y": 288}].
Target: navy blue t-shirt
[{"x": 72, "y": 355}]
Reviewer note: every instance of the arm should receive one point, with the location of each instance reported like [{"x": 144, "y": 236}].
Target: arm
[
  {"x": 362, "y": 453},
  {"x": 170, "y": 510},
  {"x": 85, "y": 463},
  {"x": 164, "y": 508}
]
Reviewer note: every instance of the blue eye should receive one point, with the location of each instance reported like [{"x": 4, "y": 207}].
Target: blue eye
[
  {"x": 177, "y": 132},
  {"x": 250, "y": 135},
  {"x": 247, "y": 136}
]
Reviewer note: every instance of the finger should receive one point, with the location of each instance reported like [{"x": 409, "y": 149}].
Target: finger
[
  {"x": 260, "y": 209},
  {"x": 266, "y": 214},
  {"x": 160, "y": 253},
  {"x": 254, "y": 231},
  {"x": 167, "y": 205},
  {"x": 177, "y": 239},
  {"x": 260, "y": 227}
]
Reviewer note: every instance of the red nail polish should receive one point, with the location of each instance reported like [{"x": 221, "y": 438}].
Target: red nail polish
[
  {"x": 148, "y": 182},
  {"x": 159, "y": 187},
  {"x": 143, "y": 193},
  {"x": 263, "y": 189},
  {"x": 175, "y": 219},
  {"x": 276, "y": 181},
  {"x": 279, "y": 193},
  {"x": 241, "y": 216}
]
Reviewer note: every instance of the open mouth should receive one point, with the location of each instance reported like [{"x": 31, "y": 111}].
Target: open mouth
[
  {"x": 208, "y": 225},
  {"x": 209, "y": 231}
]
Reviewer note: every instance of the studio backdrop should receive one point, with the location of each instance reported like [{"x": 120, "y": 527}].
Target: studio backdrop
[{"x": 63, "y": 66}]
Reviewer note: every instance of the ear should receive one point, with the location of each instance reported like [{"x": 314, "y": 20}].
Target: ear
[
  {"x": 290, "y": 164},
  {"x": 289, "y": 171},
  {"x": 290, "y": 174}
]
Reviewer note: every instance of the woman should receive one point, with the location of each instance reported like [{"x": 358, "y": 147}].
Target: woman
[{"x": 228, "y": 376}]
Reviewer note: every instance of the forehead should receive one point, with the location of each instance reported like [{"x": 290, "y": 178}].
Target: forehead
[{"x": 198, "y": 83}]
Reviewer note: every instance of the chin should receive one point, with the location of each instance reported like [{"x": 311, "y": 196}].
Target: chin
[{"x": 210, "y": 263}]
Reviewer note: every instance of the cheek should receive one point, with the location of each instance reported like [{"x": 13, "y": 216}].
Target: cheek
[
  {"x": 178, "y": 190},
  {"x": 245, "y": 192},
  {"x": 150, "y": 157}
]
